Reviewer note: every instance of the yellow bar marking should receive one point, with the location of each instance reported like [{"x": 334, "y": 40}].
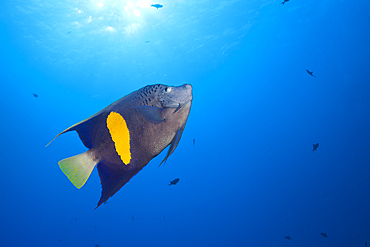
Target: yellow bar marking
[{"x": 120, "y": 135}]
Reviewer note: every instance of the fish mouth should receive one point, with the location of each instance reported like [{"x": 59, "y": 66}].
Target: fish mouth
[{"x": 181, "y": 106}]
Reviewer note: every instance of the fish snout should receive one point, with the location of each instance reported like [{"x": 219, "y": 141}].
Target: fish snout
[
  {"x": 176, "y": 96},
  {"x": 189, "y": 88}
]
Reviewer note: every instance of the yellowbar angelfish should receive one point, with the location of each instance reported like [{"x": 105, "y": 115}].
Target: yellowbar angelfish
[{"x": 123, "y": 137}]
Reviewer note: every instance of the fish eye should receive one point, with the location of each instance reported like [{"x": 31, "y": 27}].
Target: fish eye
[{"x": 167, "y": 89}]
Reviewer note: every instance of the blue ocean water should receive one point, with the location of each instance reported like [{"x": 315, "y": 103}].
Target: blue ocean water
[{"x": 251, "y": 179}]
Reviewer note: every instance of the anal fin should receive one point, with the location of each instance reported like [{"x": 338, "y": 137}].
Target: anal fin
[{"x": 112, "y": 179}]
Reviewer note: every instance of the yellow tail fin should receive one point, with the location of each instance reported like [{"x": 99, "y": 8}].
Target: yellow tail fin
[{"x": 78, "y": 168}]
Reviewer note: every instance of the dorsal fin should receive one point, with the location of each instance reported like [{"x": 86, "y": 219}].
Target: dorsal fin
[{"x": 86, "y": 129}]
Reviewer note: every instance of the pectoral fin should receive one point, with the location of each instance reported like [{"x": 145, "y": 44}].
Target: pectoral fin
[
  {"x": 151, "y": 113},
  {"x": 154, "y": 114},
  {"x": 174, "y": 143}
]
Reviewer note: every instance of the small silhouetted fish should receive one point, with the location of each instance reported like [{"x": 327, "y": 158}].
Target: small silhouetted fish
[
  {"x": 288, "y": 237},
  {"x": 132, "y": 218},
  {"x": 35, "y": 95},
  {"x": 164, "y": 217},
  {"x": 69, "y": 32},
  {"x": 310, "y": 72},
  {"x": 75, "y": 219},
  {"x": 365, "y": 244},
  {"x": 285, "y": 1},
  {"x": 146, "y": 42},
  {"x": 324, "y": 235},
  {"x": 157, "y": 5},
  {"x": 193, "y": 141},
  {"x": 174, "y": 182},
  {"x": 315, "y": 146},
  {"x": 97, "y": 245}
]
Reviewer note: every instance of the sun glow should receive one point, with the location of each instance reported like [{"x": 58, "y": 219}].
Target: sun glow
[
  {"x": 110, "y": 29},
  {"x": 133, "y": 7},
  {"x": 143, "y": 3},
  {"x": 136, "y": 12},
  {"x": 122, "y": 16}
]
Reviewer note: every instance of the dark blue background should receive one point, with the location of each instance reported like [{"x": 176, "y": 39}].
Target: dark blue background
[{"x": 251, "y": 178}]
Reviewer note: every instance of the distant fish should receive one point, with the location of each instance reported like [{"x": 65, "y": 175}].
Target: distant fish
[
  {"x": 157, "y": 5},
  {"x": 132, "y": 218},
  {"x": 174, "y": 182},
  {"x": 69, "y": 32},
  {"x": 146, "y": 42},
  {"x": 97, "y": 245},
  {"x": 310, "y": 72},
  {"x": 288, "y": 237},
  {"x": 123, "y": 137},
  {"x": 193, "y": 141},
  {"x": 315, "y": 146},
  {"x": 365, "y": 244},
  {"x": 324, "y": 235},
  {"x": 285, "y": 1},
  {"x": 35, "y": 95}
]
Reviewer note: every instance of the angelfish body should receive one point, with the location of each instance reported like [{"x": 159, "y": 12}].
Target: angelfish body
[{"x": 123, "y": 137}]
